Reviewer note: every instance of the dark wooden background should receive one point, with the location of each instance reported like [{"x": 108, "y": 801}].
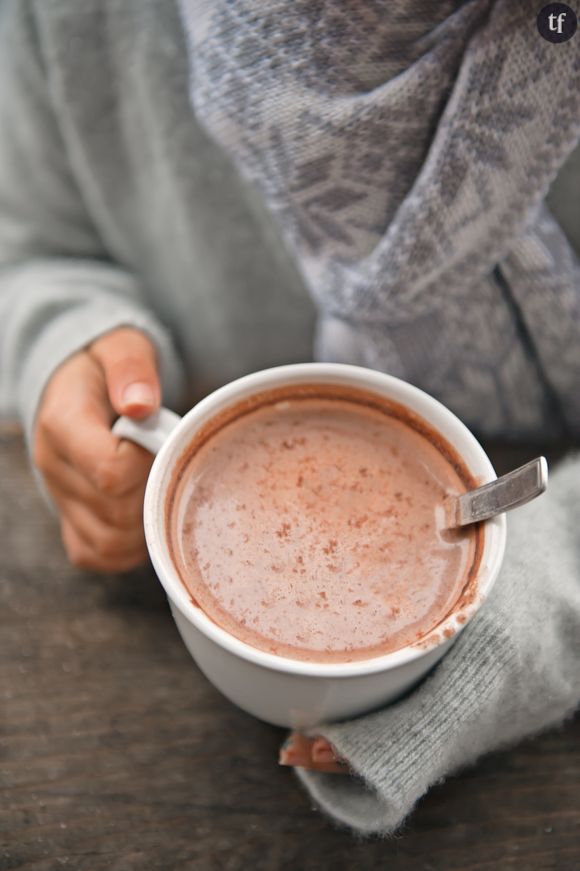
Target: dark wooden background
[{"x": 116, "y": 753}]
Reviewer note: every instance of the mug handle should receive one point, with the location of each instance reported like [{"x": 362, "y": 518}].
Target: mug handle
[{"x": 149, "y": 432}]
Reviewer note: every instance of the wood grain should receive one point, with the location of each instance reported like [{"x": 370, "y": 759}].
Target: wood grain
[{"x": 116, "y": 753}]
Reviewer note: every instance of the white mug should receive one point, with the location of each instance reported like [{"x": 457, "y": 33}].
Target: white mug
[{"x": 283, "y": 691}]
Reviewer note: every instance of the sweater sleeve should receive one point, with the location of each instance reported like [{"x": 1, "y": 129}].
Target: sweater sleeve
[
  {"x": 58, "y": 288},
  {"x": 514, "y": 671}
]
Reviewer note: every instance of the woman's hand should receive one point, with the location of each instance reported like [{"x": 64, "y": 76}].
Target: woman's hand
[{"x": 96, "y": 481}]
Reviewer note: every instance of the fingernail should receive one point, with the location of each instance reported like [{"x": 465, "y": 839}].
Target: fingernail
[
  {"x": 322, "y": 752},
  {"x": 323, "y": 756},
  {"x": 138, "y": 393},
  {"x": 287, "y": 757}
]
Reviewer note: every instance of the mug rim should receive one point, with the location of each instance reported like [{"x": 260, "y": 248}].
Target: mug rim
[{"x": 494, "y": 530}]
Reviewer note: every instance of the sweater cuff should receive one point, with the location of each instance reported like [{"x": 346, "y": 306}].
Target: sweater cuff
[
  {"x": 76, "y": 328},
  {"x": 398, "y": 753}
]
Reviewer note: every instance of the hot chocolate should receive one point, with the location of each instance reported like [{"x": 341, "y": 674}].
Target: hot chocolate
[{"x": 309, "y": 523}]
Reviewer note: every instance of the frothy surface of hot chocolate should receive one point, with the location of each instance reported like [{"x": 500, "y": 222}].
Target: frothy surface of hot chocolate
[{"x": 312, "y": 528}]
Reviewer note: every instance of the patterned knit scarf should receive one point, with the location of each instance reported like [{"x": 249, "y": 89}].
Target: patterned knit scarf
[{"x": 405, "y": 148}]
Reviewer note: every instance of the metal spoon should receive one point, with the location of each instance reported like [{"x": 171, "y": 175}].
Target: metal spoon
[{"x": 510, "y": 491}]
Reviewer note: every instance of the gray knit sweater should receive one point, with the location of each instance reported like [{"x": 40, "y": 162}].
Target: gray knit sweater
[{"x": 116, "y": 208}]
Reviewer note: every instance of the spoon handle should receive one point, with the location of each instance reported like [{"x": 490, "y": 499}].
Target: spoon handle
[{"x": 511, "y": 490}]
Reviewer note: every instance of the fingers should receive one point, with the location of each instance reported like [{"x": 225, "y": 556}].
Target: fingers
[
  {"x": 128, "y": 360},
  {"x": 124, "y": 511},
  {"x": 85, "y": 554},
  {"x": 314, "y": 754},
  {"x": 98, "y": 539},
  {"x": 105, "y": 536},
  {"x": 74, "y": 424},
  {"x": 111, "y": 467},
  {"x": 98, "y": 533}
]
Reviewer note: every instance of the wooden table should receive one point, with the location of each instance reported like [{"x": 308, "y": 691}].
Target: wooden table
[{"x": 116, "y": 753}]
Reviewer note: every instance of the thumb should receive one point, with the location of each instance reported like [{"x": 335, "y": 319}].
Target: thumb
[{"x": 128, "y": 360}]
